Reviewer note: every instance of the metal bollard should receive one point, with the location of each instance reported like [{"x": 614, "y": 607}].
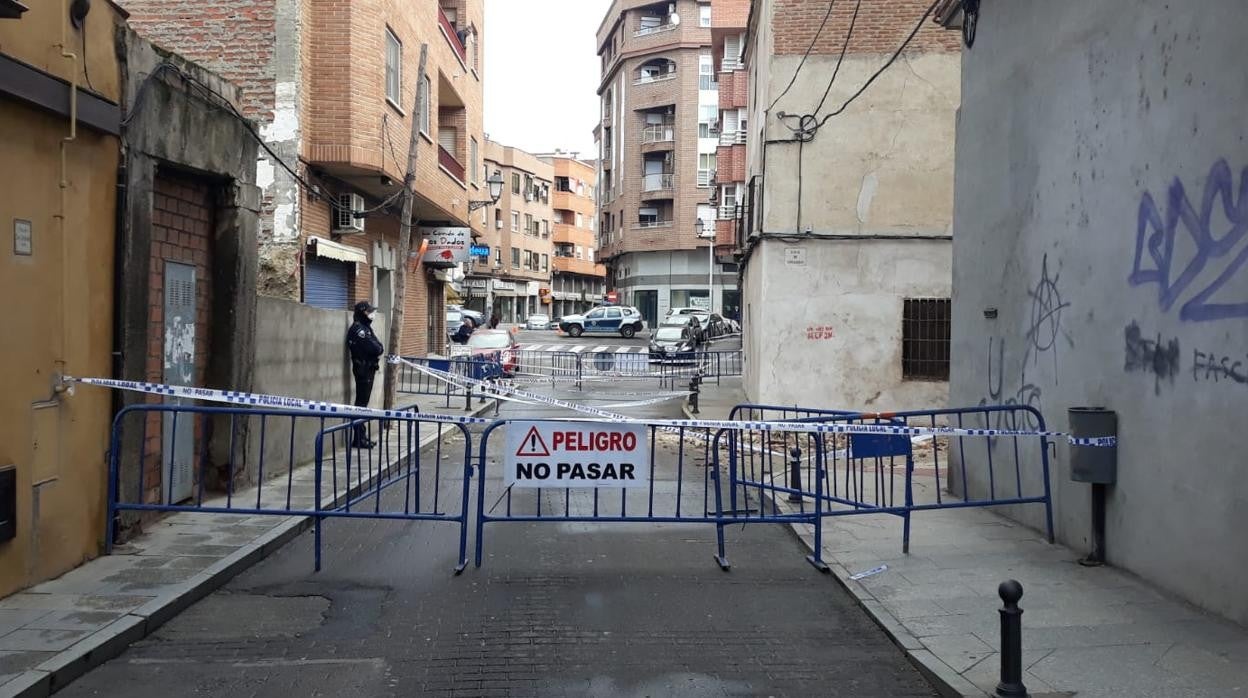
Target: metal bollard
[
  {"x": 795, "y": 474},
  {"x": 1011, "y": 640},
  {"x": 694, "y": 388}
]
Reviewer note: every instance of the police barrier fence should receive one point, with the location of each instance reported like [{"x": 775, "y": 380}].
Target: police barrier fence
[{"x": 252, "y": 461}]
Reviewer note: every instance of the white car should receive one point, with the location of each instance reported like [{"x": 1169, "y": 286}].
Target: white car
[{"x": 537, "y": 321}]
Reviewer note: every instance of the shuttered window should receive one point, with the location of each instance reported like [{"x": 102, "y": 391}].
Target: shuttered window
[{"x": 325, "y": 283}]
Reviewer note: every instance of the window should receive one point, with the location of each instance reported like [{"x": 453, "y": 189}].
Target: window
[
  {"x": 614, "y": 314},
  {"x": 448, "y": 139},
  {"x": 708, "y": 121},
  {"x": 515, "y": 183},
  {"x": 394, "y": 68},
  {"x": 424, "y": 117},
  {"x": 545, "y": 227},
  {"x": 580, "y": 221},
  {"x": 591, "y": 224},
  {"x": 732, "y": 51},
  {"x": 579, "y": 251},
  {"x": 706, "y": 168},
  {"x": 498, "y": 219},
  {"x": 647, "y": 215},
  {"x": 925, "y": 326},
  {"x": 545, "y": 263},
  {"x": 528, "y": 224},
  {"x": 704, "y": 14},
  {"x": 498, "y": 256},
  {"x": 528, "y": 259},
  {"x": 472, "y": 157},
  {"x": 515, "y": 258},
  {"x": 515, "y": 221},
  {"x": 706, "y": 72}
]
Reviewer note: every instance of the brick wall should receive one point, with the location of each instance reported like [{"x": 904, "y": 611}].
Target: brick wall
[
  {"x": 730, "y": 163},
  {"x": 734, "y": 89},
  {"x": 182, "y": 231},
  {"x": 233, "y": 38},
  {"x": 729, "y": 13},
  {"x": 881, "y": 26}
]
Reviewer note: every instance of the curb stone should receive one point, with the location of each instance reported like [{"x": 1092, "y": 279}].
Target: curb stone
[{"x": 113, "y": 639}]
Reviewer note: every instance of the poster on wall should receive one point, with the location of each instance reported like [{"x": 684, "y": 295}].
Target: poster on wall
[{"x": 446, "y": 245}]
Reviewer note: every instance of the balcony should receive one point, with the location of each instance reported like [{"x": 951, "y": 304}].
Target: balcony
[
  {"x": 667, "y": 26},
  {"x": 728, "y": 212},
  {"x": 732, "y": 137},
  {"x": 571, "y": 235},
  {"x": 571, "y": 265},
  {"x": 706, "y": 178},
  {"x": 450, "y": 164},
  {"x": 658, "y": 133},
  {"x": 655, "y": 77},
  {"x": 730, "y": 64},
  {"x": 448, "y": 30},
  {"x": 647, "y": 225},
  {"x": 661, "y": 181}
]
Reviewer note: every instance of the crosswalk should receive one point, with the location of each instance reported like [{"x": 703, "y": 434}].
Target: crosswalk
[{"x": 583, "y": 348}]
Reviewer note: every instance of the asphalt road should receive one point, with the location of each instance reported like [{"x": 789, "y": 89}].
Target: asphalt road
[{"x": 557, "y": 609}]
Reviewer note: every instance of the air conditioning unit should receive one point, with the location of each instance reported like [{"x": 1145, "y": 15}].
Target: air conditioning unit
[{"x": 345, "y": 222}]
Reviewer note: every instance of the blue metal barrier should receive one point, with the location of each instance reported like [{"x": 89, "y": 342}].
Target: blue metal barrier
[
  {"x": 254, "y": 468},
  {"x": 875, "y": 474}
]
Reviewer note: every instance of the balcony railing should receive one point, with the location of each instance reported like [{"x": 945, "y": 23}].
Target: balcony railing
[
  {"x": 657, "y": 133},
  {"x": 707, "y": 82},
  {"x": 643, "y": 225},
  {"x": 731, "y": 64},
  {"x": 705, "y": 178},
  {"x": 450, "y": 164},
  {"x": 452, "y": 37},
  {"x": 647, "y": 31},
  {"x": 727, "y": 212},
  {"x": 659, "y": 77},
  {"x": 732, "y": 137},
  {"x": 656, "y": 182}
]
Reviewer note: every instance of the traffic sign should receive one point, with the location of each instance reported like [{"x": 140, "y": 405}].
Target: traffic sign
[{"x": 580, "y": 454}]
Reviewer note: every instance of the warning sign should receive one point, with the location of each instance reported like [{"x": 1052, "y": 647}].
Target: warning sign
[{"x": 581, "y": 454}]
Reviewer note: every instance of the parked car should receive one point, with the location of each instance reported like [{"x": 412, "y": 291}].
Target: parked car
[
  {"x": 496, "y": 343},
  {"x": 686, "y": 310},
  {"x": 554, "y": 324},
  {"x": 673, "y": 343},
  {"x": 713, "y": 326},
  {"x": 456, "y": 314},
  {"x": 614, "y": 319},
  {"x": 537, "y": 321},
  {"x": 696, "y": 331}
]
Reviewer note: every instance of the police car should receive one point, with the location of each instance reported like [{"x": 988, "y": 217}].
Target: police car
[{"x": 607, "y": 319}]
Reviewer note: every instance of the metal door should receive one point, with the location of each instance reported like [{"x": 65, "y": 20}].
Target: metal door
[
  {"x": 178, "y": 433},
  {"x": 648, "y": 303}
]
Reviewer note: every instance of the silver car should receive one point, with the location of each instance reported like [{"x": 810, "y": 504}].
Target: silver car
[{"x": 537, "y": 321}]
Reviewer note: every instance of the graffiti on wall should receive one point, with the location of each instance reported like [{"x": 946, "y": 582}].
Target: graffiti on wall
[
  {"x": 1162, "y": 359},
  {"x": 1197, "y": 266},
  {"x": 1156, "y": 357},
  {"x": 819, "y": 332},
  {"x": 1045, "y": 333}
]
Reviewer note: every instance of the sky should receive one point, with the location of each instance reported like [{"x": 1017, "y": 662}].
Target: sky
[{"x": 541, "y": 73}]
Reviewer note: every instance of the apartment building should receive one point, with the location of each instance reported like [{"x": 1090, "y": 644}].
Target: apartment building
[
  {"x": 578, "y": 279},
  {"x": 846, "y": 243},
  {"x": 515, "y": 276},
  {"x": 729, "y": 19},
  {"x": 333, "y": 85},
  {"x": 657, "y": 140}
]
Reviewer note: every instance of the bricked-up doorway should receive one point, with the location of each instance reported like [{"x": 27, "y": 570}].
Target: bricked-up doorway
[{"x": 179, "y": 332}]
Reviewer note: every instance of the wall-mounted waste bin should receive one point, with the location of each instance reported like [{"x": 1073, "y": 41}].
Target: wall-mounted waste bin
[{"x": 1094, "y": 464}]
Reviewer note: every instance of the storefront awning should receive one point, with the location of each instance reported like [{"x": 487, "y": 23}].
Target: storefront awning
[
  {"x": 452, "y": 296},
  {"x": 336, "y": 250}
]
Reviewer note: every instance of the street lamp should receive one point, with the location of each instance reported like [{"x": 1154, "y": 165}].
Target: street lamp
[
  {"x": 709, "y": 236},
  {"x": 495, "y": 184}
]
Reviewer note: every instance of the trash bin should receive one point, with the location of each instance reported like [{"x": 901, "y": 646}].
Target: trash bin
[{"x": 1094, "y": 464}]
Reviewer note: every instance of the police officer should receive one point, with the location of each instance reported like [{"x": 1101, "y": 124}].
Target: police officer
[{"x": 366, "y": 351}]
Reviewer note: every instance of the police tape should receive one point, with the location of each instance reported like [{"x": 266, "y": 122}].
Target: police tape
[
  {"x": 800, "y": 427},
  {"x": 281, "y": 402}
]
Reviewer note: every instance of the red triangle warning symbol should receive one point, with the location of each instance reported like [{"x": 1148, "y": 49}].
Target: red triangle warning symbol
[{"x": 533, "y": 445}]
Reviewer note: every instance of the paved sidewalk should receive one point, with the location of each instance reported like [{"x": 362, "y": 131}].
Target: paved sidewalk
[
  {"x": 1086, "y": 631},
  {"x": 54, "y": 632}
]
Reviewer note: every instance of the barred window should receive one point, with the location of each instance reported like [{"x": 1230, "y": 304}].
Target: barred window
[{"x": 925, "y": 326}]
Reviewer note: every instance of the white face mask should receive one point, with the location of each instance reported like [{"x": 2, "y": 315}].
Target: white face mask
[{"x": 372, "y": 315}]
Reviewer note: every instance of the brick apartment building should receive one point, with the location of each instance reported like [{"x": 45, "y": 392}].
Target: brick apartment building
[
  {"x": 515, "y": 276},
  {"x": 658, "y": 135},
  {"x": 578, "y": 278},
  {"x": 731, "y": 192},
  {"x": 332, "y": 85},
  {"x": 847, "y": 267}
]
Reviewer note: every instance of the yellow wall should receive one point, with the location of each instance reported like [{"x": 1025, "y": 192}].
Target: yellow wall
[{"x": 57, "y": 306}]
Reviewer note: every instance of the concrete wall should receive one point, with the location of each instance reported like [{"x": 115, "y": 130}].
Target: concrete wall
[
  {"x": 301, "y": 351},
  {"x": 854, "y": 289},
  {"x": 1102, "y": 208},
  {"x": 57, "y": 301},
  {"x": 873, "y": 216}
]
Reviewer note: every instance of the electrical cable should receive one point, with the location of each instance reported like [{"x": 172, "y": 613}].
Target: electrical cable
[
  {"x": 806, "y": 55},
  {"x": 840, "y": 59},
  {"x": 86, "y": 71}
]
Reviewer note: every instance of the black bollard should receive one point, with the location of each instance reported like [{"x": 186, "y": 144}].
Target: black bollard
[
  {"x": 1011, "y": 640},
  {"x": 694, "y": 388},
  {"x": 795, "y": 474}
]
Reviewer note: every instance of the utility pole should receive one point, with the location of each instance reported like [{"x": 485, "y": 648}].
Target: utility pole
[{"x": 405, "y": 233}]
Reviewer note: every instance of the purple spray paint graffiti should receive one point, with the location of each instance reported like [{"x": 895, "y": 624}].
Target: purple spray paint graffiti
[{"x": 1156, "y": 234}]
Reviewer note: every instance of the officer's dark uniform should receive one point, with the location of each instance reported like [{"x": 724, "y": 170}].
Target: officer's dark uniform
[{"x": 366, "y": 351}]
